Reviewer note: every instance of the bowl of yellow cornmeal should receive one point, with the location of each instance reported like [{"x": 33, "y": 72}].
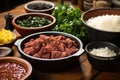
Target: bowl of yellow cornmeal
[{"x": 6, "y": 37}]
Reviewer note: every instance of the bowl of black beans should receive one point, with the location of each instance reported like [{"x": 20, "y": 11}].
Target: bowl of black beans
[{"x": 39, "y": 7}]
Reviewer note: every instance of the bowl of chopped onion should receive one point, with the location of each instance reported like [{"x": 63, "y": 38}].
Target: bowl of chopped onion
[{"x": 103, "y": 55}]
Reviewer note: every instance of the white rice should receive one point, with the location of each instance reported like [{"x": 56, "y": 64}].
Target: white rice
[
  {"x": 103, "y": 52},
  {"x": 105, "y": 22}
]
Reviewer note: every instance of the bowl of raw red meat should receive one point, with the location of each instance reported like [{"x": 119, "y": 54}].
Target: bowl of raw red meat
[{"x": 51, "y": 50}]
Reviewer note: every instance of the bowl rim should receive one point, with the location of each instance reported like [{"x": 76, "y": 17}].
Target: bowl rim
[
  {"x": 33, "y": 2},
  {"x": 116, "y": 2},
  {"x": 7, "y": 53},
  {"x": 25, "y": 14},
  {"x": 102, "y": 42},
  {"x": 78, "y": 53},
  {"x": 92, "y": 10},
  {"x": 20, "y": 61},
  {"x": 87, "y": 3}
]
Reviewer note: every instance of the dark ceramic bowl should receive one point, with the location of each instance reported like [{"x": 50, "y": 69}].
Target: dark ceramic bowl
[
  {"x": 28, "y": 30},
  {"x": 39, "y": 7},
  {"x": 100, "y": 35},
  {"x": 102, "y": 62},
  {"x": 56, "y": 64},
  {"x": 116, "y": 3},
  {"x": 19, "y": 61},
  {"x": 5, "y": 51}
]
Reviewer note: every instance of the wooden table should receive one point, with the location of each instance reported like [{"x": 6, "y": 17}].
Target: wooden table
[{"x": 82, "y": 72}]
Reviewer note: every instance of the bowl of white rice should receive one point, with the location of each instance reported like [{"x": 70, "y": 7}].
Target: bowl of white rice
[
  {"x": 102, "y": 24},
  {"x": 103, "y": 55}
]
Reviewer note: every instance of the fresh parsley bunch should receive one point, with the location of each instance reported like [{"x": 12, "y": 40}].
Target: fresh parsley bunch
[{"x": 69, "y": 20}]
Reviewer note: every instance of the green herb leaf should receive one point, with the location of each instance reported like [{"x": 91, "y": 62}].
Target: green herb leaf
[{"x": 69, "y": 20}]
